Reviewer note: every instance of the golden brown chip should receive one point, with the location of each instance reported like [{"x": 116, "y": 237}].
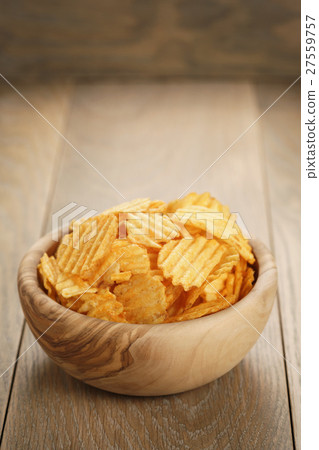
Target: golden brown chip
[
  {"x": 152, "y": 255},
  {"x": 205, "y": 219},
  {"x": 49, "y": 271},
  {"x": 193, "y": 313},
  {"x": 143, "y": 298},
  {"x": 157, "y": 206},
  {"x": 103, "y": 305},
  {"x": 192, "y": 296},
  {"x": 131, "y": 257},
  {"x": 92, "y": 251},
  {"x": 247, "y": 284},
  {"x": 72, "y": 285},
  {"x": 65, "y": 243},
  {"x": 150, "y": 229},
  {"x": 123, "y": 257},
  {"x": 148, "y": 262},
  {"x": 213, "y": 288},
  {"x": 157, "y": 273},
  {"x": 178, "y": 306},
  {"x": 230, "y": 285},
  {"x": 73, "y": 303},
  {"x": 203, "y": 309},
  {"x": 109, "y": 268},
  {"x": 189, "y": 261},
  {"x": 228, "y": 261},
  {"x": 172, "y": 294},
  {"x": 240, "y": 270},
  {"x": 122, "y": 276},
  {"x": 226, "y": 230},
  {"x": 194, "y": 199},
  {"x": 82, "y": 223},
  {"x": 138, "y": 204}
]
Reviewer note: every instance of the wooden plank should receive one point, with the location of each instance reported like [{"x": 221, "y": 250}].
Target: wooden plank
[
  {"x": 154, "y": 139},
  {"x": 151, "y": 39},
  {"x": 281, "y": 138},
  {"x": 28, "y": 151}
]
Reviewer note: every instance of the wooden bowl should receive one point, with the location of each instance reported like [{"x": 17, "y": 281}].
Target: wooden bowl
[{"x": 139, "y": 359}]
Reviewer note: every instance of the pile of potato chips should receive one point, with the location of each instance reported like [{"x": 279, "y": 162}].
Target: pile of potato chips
[{"x": 150, "y": 262}]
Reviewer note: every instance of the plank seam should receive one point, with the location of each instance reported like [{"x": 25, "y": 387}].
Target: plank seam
[
  {"x": 56, "y": 166},
  {"x": 272, "y": 246}
]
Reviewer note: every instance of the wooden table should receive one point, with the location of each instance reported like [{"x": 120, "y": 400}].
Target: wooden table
[{"x": 151, "y": 139}]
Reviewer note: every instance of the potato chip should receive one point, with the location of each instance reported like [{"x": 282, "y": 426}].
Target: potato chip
[
  {"x": 203, "y": 309},
  {"x": 72, "y": 285},
  {"x": 243, "y": 247},
  {"x": 247, "y": 282},
  {"x": 137, "y": 205},
  {"x": 157, "y": 206},
  {"x": 192, "y": 296},
  {"x": 177, "y": 307},
  {"x": 193, "y": 313},
  {"x": 150, "y": 229},
  {"x": 157, "y": 273},
  {"x": 213, "y": 287},
  {"x": 189, "y": 261},
  {"x": 228, "y": 261},
  {"x": 65, "y": 243},
  {"x": 124, "y": 257},
  {"x": 131, "y": 257},
  {"x": 240, "y": 270},
  {"x": 83, "y": 222},
  {"x": 103, "y": 305},
  {"x": 49, "y": 272},
  {"x": 152, "y": 256},
  {"x": 172, "y": 293},
  {"x": 208, "y": 221},
  {"x": 143, "y": 298},
  {"x": 86, "y": 260},
  {"x": 230, "y": 285},
  {"x": 121, "y": 276},
  {"x": 194, "y": 199},
  {"x": 148, "y": 262}
]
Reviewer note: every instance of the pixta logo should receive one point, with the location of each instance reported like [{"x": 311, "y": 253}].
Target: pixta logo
[
  {"x": 164, "y": 227},
  {"x": 73, "y": 215}
]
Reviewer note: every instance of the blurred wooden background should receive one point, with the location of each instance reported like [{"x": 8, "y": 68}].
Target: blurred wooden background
[
  {"x": 94, "y": 65},
  {"x": 147, "y": 38}
]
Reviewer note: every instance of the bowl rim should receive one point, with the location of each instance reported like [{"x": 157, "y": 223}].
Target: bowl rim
[{"x": 28, "y": 286}]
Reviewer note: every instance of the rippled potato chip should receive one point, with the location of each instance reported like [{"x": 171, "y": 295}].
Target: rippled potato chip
[
  {"x": 72, "y": 285},
  {"x": 139, "y": 204},
  {"x": 194, "y": 199},
  {"x": 172, "y": 293},
  {"x": 150, "y": 229},
  {"x": 121, "y": 276},
  {"x": 152, "y": 256},
  {"x": 131, "y": 257},
  {"x": 197, "y": 311},
  {"x": 85, "y": 256},
  {"x": 215, "y": 224},
  {"x": 143, "y": 298},
  {"x": 103, "y": 305},
  {"x": 146, "y": 261},
  {"x": 49, "y": 272},
  {"x": 214, "y": 287},
  {"x": 247, "y": 282},
  {"x": 189, "y": 261},
  {"x": 157, "y": 206}
]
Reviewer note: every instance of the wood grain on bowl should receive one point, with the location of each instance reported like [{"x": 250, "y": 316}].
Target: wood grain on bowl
[{"x": 141, "y": 359}]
